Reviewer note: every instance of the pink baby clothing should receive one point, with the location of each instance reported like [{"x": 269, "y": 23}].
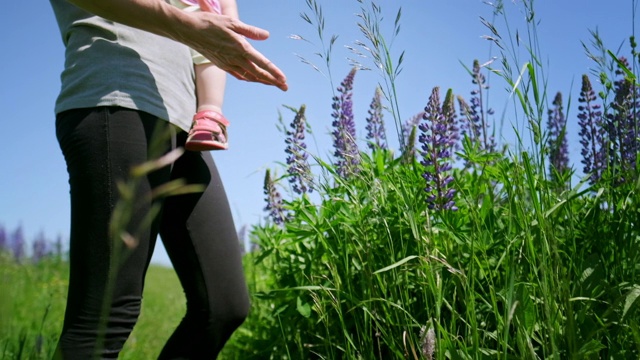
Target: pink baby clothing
[{"x": 192, "y": 5}]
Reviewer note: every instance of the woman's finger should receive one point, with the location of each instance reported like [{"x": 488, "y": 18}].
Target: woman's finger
[
  {"x": 263, "y": 67},
  {"x": 253, "y": 66},
  {"x": 271, "y": 75},
  {"x": 248, "y": 31}
]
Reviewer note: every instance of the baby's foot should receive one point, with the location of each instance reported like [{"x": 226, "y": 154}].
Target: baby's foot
[{"x": 208, "y": 132}]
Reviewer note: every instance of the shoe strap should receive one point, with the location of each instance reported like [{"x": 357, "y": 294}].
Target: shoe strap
[{"x": 211, "y": 115}]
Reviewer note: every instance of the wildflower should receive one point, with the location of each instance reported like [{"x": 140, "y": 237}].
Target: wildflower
[
  {"x": 375, "y": 124},
  {"x": 17, "y": 244},
  {"x": 591, "y": 132},
  {"x": 558, "y": 147},
  {"x": 298, "y": 166},
  {"x": 3, "y": 239},
  {"x": 344, "y": 133},
  {"x": 409, "y": 154},
  {"x": 449, "y": 114},
  {"x": 475, "y": 125},
  {"x": 408, "y": 128},
  {"x": 470, "y": 127},
  {"x": 274, "y": 200},
  {"x": 57, "y": 245},
  {"x": 40, "y": 248},
  {"x": 438, "y": 134},
  {"x": 624, "y": 106},
  {"x": 621, "y": 131}
]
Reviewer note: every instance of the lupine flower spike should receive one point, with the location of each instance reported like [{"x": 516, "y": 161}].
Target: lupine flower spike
[
  {"x": 449, "y": 114},
  {"x": 591, "y": 132},
  {"x": 474, "y": 116},
  {"x": 409, "y": 154},
  {"x": 622, "y": 125},
  {"x": 375, "y": 124},
  {"x": 558, "y": 146},
  {"x": 344, "y": 129},
  {"x": 3, "y": 239},
  {"x": 408, "y": 128},
  {"x": 438, "y": 139},
  {"x": 40, "y": 249},
  {"x": 274, "y": 201},
  {"x": 17, "y": 244},
  {"x": 298, "y": 166}
]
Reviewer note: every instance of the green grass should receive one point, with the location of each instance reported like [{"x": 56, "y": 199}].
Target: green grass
[
  {"x": 32, "y": 305},
  {"x": 163, "y": 306},
  {"x": 32, "y": 308}
]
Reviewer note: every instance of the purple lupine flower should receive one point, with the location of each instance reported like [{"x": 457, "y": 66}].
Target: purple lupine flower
[
  {"x": 40, "y": 247},
  {"x": 408, "y": 125},
  {"x": 622, "y": 142},
  {"x": 4, "y": 242},
  {"x": 298, "y": 166},
  {"x": 57, "y": 245},
  {"x": 558, "y": 146},
  {"x": 625, "y": 105},
  {"x": 344, "y": 133},
  {"x": 624, "y": 62},
  {"x": 17, "y": 244},
  {"x": 274, "y": 205},
  {"x": 591, "y": 132},
  {"x": 408, "y": 130},
  {"x": 471, "y": 124},
  {"x": 409, "y": 154},
  {"x": 475, "y": 124},
  {"x": 375, "y": 124},
  {"x": 449, "y": 113},
  {"x": 438, "y": 139}
]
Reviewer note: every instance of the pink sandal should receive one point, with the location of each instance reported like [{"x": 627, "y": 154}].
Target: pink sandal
[{"x": 208, "y": 132}]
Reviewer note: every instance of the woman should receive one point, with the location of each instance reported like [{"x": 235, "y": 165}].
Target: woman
[{"x": 128, "y": 73}]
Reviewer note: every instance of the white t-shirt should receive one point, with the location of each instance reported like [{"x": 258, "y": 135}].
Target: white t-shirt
[{"x": 110, "y": 64}]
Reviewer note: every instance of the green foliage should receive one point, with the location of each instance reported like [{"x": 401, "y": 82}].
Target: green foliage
[
  {"x": 528, "y": 267},
  {"x": 518, "y": 271},
  {"x": 32, "y": 307}
]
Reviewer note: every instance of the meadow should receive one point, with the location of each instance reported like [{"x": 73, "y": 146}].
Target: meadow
[
  {"x": 451, "y": 246},
  {"x": 32, "y": 308}
]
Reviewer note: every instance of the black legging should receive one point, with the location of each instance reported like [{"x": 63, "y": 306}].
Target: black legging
[{"x": 100, "y": 145}]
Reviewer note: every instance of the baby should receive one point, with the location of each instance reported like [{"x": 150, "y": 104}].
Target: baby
[{"x": 209, "y": 127}]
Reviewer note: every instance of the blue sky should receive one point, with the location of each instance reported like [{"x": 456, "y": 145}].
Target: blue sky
[{"x": 436, "y": 36}]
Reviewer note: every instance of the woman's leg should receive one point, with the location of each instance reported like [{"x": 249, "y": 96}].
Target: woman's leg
[
  {"x": 100, "y": 146},
  {"x": 200, "y": 237}
]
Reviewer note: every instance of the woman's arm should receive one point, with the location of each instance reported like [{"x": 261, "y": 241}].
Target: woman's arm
[{"x": 219, "y": 38}]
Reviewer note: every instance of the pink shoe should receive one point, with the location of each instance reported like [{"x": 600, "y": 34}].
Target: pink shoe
[{"x": 208, "y": 132}]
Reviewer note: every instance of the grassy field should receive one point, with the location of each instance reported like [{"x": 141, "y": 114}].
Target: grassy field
[{"x": 32, "y": 307}]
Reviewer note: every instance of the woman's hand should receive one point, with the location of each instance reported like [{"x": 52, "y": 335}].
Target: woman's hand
[
  {"x": 219, "y": 38},
  {"x": 227, "y": 47}
]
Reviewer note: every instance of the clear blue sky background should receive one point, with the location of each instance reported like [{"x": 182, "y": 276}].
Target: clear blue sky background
[{"x": 436, "y": 35}]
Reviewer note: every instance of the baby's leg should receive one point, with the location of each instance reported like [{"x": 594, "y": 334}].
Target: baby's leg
[
  {"x": 210, "y": 85},
  {"x": 211, "y": 81},
  {"x": 209, "y": 128}
]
